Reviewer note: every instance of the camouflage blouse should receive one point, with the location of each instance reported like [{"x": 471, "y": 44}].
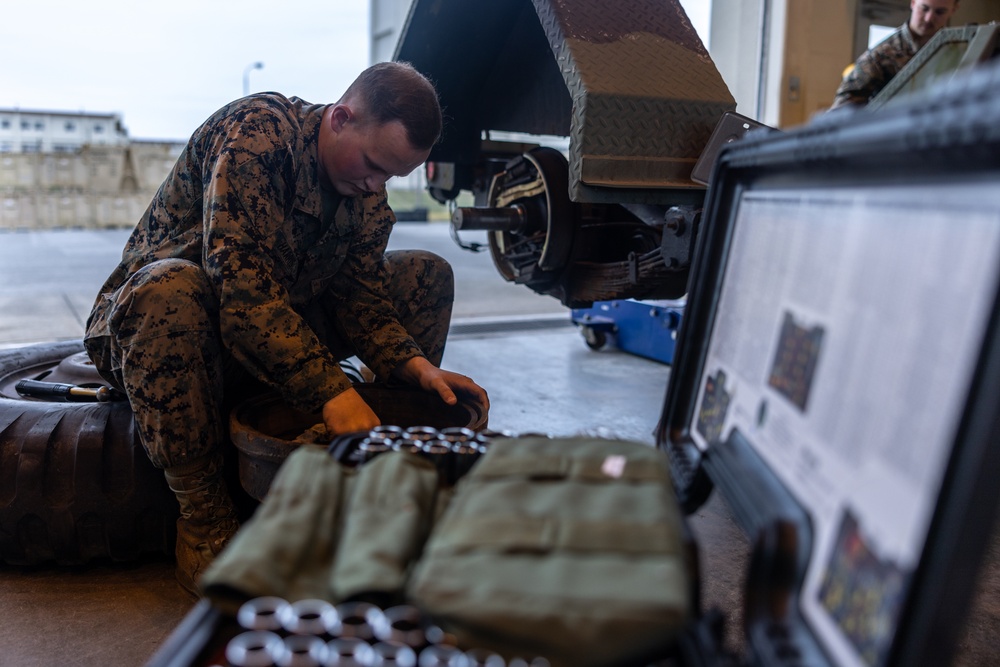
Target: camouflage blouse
[
  {"x": 245, "y": 202},
  {"x": 876, "y": 67}
]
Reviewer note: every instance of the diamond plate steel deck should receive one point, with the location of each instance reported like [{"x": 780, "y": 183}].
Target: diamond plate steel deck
[{"x": 629, "y": 82}]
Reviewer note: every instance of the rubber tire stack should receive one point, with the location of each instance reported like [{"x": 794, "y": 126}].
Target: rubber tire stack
[{"x": 75, "y": 482}]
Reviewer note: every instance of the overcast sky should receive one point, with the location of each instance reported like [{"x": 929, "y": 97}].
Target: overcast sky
[{"x": 166, "y": 65}]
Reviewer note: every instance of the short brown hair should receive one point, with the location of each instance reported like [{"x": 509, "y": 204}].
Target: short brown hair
[{"x": 397, "y": 91}]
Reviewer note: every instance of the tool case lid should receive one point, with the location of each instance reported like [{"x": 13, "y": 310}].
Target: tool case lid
[{"x": 837, "y": 376}]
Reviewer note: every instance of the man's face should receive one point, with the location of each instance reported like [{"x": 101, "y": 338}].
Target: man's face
[
  {"x": 362, "y": 156},
  {"x": 929, "y": 16}
]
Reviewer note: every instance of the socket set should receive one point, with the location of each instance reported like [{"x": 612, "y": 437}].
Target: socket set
[
  {"x": 316, "y": 633},
  {"x": 453, "y": 450}
]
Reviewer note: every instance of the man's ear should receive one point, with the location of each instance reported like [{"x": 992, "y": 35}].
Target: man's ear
[{"x": 339, "y": 117}]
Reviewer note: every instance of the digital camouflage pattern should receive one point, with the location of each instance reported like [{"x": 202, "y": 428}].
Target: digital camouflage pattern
[
  {"x": 244, "y": 264},
  {"x": 876, "y": 67}
]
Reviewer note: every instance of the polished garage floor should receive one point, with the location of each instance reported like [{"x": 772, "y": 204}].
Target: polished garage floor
[{"x": 518, "y": 345}]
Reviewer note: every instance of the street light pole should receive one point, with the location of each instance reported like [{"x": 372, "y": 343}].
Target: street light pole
[{"x": 246, "y": 76}]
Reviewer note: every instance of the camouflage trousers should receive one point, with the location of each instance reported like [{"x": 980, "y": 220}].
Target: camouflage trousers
[{"x": 163, "y": 347}]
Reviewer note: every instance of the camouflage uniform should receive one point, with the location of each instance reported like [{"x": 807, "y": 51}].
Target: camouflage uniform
[
  {"x": 244, "y": 263},
  {"x": 876, "y": 67}
]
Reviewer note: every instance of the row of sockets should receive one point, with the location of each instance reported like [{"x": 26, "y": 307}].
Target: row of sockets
[
  {"x": 316, "y": 633},
  {"x": 453, "y": 450}
]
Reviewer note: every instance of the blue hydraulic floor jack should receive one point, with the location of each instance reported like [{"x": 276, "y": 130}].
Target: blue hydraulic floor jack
[{"x": 644, "y": 328}]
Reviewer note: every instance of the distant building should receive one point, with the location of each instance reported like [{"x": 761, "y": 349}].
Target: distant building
[
  {"x": 62, "y": 169},
  {"x": 24, "y": 131}
]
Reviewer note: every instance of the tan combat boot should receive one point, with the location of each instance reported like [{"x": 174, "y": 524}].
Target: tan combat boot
[{"x": 208, "y": 518}]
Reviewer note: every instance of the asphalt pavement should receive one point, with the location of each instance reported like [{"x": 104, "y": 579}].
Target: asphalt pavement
[{"x": 49, "y": 279}]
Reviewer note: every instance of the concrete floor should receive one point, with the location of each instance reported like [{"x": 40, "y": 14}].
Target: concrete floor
[{"x": 518, "y": 345}]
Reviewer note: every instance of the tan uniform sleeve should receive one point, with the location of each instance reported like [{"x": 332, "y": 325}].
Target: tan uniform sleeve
[{"x": 366, "y": 313}]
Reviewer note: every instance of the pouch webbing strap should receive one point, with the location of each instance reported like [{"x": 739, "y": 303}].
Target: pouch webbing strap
[
  {"x": 607, "y": 467},
  {"x": 544, "y": 535}
]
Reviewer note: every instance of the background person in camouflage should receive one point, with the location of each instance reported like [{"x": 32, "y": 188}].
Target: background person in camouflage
[
  {"x": 262, "y": 256},
  {"x": 877, "y": 66}
]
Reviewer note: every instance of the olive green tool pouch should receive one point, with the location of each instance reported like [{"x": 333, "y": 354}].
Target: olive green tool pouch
[
  {"x": 327, "y": 531},
  {"x": 566, "y": 548},
  {"x": 386, "y": 521},
  {"x": 287, "y": 546}
]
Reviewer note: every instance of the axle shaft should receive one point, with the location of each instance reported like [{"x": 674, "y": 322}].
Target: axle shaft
[{"x": 507, "y": 219}]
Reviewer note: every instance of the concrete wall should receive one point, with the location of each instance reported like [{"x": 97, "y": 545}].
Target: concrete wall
[{"x": 99, "y": 186}]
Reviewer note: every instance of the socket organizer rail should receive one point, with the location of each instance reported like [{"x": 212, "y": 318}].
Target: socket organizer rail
[
  {"x": 453, "y": 450},
  {"x": 317, "y": 633}
]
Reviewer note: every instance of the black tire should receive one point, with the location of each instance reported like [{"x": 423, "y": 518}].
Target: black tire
[{"x": 75, "y": 482}]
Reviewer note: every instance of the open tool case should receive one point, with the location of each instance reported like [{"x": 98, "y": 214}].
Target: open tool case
[
  {"x": 837, "y": 381},
  {"x": 837, "y": 378}
]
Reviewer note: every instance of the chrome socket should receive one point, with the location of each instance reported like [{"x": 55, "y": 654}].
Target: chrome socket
[
  {"x": 394, "y": 654},
  {"x": 422, "y": 433},
  {"x": 263, "y": 613},
  {"x": 256, "y": 648},
  {"x": 480, "y": 657},
  {"x": 404, "y": 624},
  {"x": 359, "y": 620},
  {"x": 439, "y": 655},
  {"x": 301, "y": 651},
  {"x": 310, "y": 617},
  {"x": 349, "y": 652}
]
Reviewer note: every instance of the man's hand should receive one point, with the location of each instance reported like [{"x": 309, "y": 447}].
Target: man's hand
[
  {"x": 347, "y": 412},
  {"x": 444, "y": 383}
]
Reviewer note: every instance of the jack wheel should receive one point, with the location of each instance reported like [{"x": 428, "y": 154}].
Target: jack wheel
[{"x": 594, "y": 338}]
